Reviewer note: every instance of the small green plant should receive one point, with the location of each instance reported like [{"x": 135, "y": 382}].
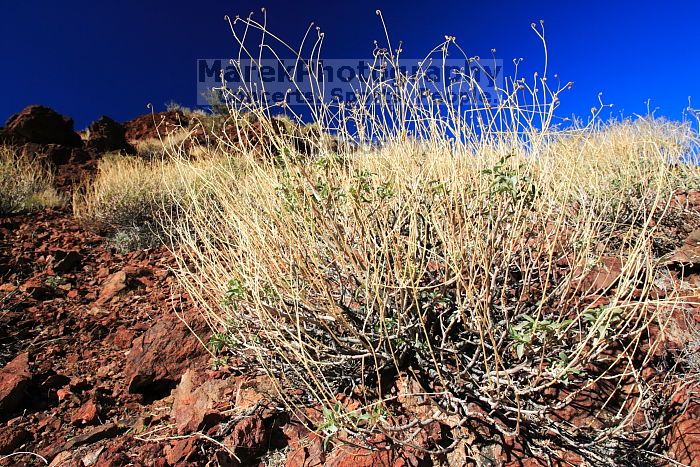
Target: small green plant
[
  {"x": 531, "y": 331},
  {"x": 133, "y": 238},
  {"x": 327, "y": 192},
  {"x": 332, "y": 422},
  {"x": 219, "y": 362},
  {"x": 438, "y": 188},
  {"x": 511, "y": 182},
  {"x": 289, "y": 193},
  {"x": 234, "y": 292},
  {"x": 361, "y": 190},
  {"x": 385, "y": 191},
  {"x": 334, "y": 418},
  {"x": 602, "y": 320},
  {"x": 374, "y": 415},
  {"x": 54, "y": 281},
  {"x": 219, "y": 341},
  {"x": 562, "y": 362}
]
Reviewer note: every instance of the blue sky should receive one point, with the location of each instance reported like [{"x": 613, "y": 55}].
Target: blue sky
[{"x": 89, "y": 58}]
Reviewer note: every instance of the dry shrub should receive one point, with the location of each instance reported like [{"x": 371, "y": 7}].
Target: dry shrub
[
  {"x": 440, "y": 253},
  {"x": 25, "y": 183}
]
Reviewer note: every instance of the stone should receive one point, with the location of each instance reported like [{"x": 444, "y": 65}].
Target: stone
[
  {"x": 159, "y": 357},
  {"x": 195, "y": 399},
  {"x": 151, "y": 125},
  {"x": 180, "y": 450},
  {"x": 87, "y": 414},
  {"x": 66, "y": 261},
  {"x": 355, "y": 456},
  {"x": 105, "y": 135},
  {"x": 14, "y": 379},
  {"x": 12, "y": 438},
  {"x": 603, "y": 276},
  {"x": 249, "y": 437},
  {"x": 112, "y": 286}
]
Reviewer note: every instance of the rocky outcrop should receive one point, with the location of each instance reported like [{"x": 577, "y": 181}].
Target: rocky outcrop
[
  {"x": 105, "y": 135},
  {"x": 151, "y": 125},
  {"x": 41, "y": 125}
]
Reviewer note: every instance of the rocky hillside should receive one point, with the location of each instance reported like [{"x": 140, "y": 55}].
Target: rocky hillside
[{"x": 104, "y": 361}]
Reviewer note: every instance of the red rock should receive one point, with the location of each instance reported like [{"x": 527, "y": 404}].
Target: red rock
[
  {"x": 305, "y": 447},
  {"x": 66, "y": 261},
  {"x": 684, "y": 441},
  {"x": 122, "y": 338},
  {"x": 195, "y": 399},
  {"x": 42, "y": 125},
  {"x": 86, "y": 415},
  {"x": 14, "y": 379},
  {"x": 57, "y": 154},
  {"x": 151, "y": 125},
  {"x": 63, "y": 459},
  {"x": 63, "y": 393},
  {"x": 114, "y": 455},
  {"x": 104, "y": 135},
  {"x": 180, "y": 450},
  {"x": 12, "y": 438},
  {"x": 158, "y": 358},
  {"x": 684, "y": 437},
  {"x": 686, "y": 254},
  {"x": 354, "y": 456},
  {"x": 604, "y": 276},
  {"x": 38, "y": 289},
  {"x": 694, "y": 198},
  {"x": 112, "y": 286},
  {"x": 249, "y": 437}
]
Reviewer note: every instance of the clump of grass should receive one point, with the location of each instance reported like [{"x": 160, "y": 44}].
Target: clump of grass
[
  {"x": 158, "y": 148},
  {"x": 26, "y": 184},
  {"x": 445, "y": 247},
  {"x": 130, "y": 197}
]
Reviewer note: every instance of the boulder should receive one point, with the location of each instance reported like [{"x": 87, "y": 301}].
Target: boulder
[
  {"x": 111, "y": 287},
  {"x": 249, "y": 437},
  {"x": 683, "y": 438},
  {"x": 104, "y": 135},
  {"x": 41, "y": 125},
  {"x": 14, "y": 379},
  {"x": 181, "y": 450},
  {"x": 602, "y": 276},
  {"x": 195, "y": 401},
  {"x": 358, "y": 456},
  {"x": 687, "y": 254},
  {"x": 158, "y": 358},
  {"x": 305, "y": 447},
  {"x": 66, "y": 260}
]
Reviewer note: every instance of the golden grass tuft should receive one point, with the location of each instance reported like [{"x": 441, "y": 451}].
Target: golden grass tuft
[{"x": 26, "y": 183}]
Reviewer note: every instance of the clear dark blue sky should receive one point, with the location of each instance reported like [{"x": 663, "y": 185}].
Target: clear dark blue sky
[{"x": 86, "y": 58}]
